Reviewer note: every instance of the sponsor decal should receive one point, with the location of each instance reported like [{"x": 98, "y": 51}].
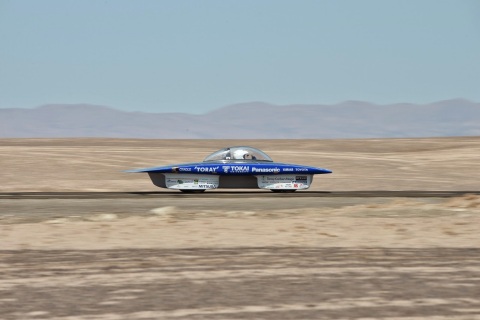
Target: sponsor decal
[
  {"x": 191, "y": 181},
  {"x": 284, "y": 181},
  {"x": 301, "y": 169},
  {"x": 275, "y": 179},
  {"x": 235, "y": 169},
  {"x": 275, "y": 170},
  {"x": 206, "y": 169},
  {"x": 287, "y": 169},
  {"x": 184, "y": 169},
  {"x": 207, "y": 186}
]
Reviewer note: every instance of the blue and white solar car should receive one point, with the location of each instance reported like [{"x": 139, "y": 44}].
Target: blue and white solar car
[{"x": 235, "y": 168}]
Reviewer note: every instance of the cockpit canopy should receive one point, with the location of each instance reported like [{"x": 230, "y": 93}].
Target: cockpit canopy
[{"x": 238, "y": 154}]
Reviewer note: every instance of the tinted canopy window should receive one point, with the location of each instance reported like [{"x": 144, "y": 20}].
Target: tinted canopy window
[{"x": 240, "y": 153}]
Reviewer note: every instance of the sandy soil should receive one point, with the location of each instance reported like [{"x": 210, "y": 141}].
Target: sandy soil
[{"x": 412, "y": 223}]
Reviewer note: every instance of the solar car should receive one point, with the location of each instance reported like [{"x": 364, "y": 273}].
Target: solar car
[{"x": 234, "y": 167}]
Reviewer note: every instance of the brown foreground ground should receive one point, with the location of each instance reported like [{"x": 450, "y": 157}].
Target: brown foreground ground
[{"x": 240, "y": 258}]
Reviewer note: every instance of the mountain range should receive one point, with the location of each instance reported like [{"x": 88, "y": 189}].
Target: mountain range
[{"x": 254, "y": 120}]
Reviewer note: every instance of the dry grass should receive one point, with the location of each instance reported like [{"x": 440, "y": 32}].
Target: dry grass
[{"x": 466, "y": 201}]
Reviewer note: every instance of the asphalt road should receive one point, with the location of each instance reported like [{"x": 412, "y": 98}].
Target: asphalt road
[{"x": 235, "y": 194}]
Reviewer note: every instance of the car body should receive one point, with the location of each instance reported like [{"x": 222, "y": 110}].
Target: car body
[{"x": 235, "y": 167}]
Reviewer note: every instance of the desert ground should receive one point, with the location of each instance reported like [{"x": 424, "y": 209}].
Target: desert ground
[
  {"x": 240, "y": 255},
  {"x": 363, "y": 164}
]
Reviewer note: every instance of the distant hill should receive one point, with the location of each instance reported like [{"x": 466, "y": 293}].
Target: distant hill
[{"x": 255, "y": 120}]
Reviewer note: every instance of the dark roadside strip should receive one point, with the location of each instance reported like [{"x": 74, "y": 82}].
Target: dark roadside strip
[{"x": 237, "y": 194}]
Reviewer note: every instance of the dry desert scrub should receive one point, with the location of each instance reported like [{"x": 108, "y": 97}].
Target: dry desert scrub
[{"x": 466, "y": 201}]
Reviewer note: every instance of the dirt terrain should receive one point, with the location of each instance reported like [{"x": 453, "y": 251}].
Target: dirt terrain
[
  {"x": 372, "y": 164},
  {"x": 173, "y": 256}
]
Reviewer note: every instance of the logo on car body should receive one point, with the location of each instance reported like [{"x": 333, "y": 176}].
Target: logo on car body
[
  {"x": 274, "y": 170},
  {"x": 235, "y": 169},
  {"x": 207, "y": 169}
]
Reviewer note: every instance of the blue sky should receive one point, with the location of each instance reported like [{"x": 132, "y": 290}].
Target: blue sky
[{"x": 196, "y": 56}]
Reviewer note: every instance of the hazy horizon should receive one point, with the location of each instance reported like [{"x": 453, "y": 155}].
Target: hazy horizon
[
  {"x": 246, "y": 103},
  {"x": 195, "y": 57},
  {"x": 256, "y": 120}
]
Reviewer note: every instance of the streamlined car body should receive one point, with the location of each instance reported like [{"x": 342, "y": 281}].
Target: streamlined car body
[{"x": 235, "y": 167}]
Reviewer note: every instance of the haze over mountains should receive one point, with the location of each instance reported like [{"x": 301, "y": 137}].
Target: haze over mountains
[{"x": 254, "y": 120}]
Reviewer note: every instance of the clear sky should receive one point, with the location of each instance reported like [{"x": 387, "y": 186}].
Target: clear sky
[{"x": 196, "y": 56}]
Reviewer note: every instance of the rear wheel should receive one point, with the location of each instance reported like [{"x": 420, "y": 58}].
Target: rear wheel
[
  {"x": 283, "y": 190},
  {"x": 192, "y": 190}
]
